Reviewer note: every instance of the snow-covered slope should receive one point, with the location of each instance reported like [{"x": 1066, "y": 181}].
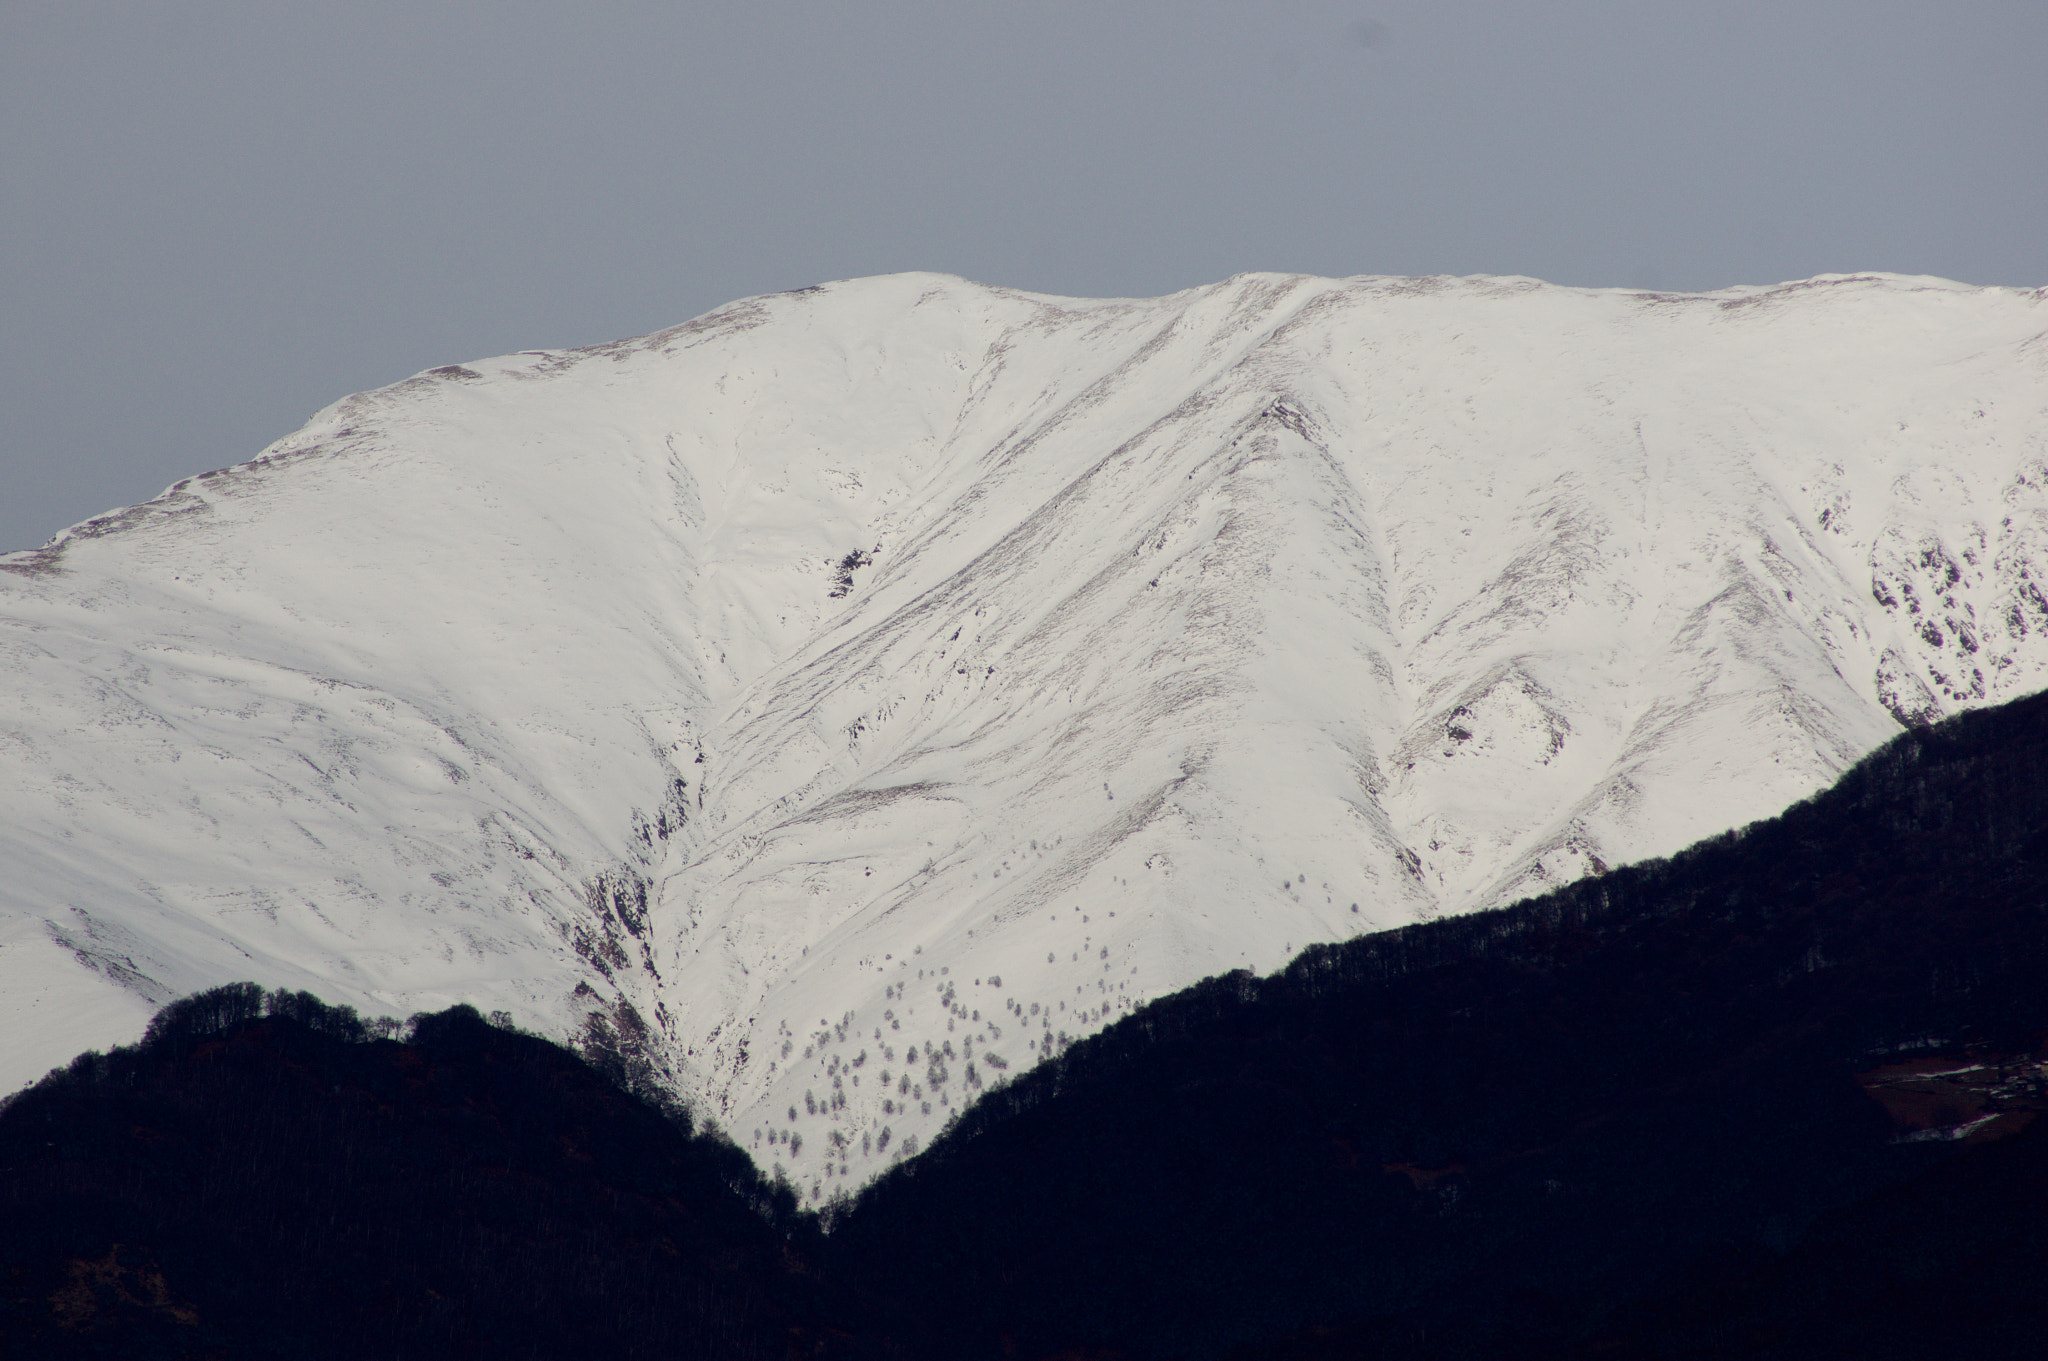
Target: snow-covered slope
[{"x": 850, "y": 694}]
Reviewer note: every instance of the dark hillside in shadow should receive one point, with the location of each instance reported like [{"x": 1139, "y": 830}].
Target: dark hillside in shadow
[
  {"x": 1483, "y": 1136},
  {"x": 1775, "y": 1097},
  {"x": 290, "y": 1185}
]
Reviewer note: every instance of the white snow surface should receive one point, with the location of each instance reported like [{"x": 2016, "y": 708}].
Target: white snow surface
[{"x": 866, "y": 690}]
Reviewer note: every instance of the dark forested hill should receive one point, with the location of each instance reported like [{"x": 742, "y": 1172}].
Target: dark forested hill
[
  {"x": 268, "y": 1177},
  {"x": 1483, "y": 1135},
  {"x": 1773, "y": 1097}
]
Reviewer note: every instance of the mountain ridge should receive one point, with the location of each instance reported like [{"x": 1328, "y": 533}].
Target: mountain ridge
[{"x": 792, "y": 676}]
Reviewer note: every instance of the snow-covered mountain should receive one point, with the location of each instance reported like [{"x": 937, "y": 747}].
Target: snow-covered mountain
[{"x": 848, "y": 695}]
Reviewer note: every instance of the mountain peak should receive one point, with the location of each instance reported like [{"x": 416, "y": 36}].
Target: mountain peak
[{"x": 906, "y": 676}]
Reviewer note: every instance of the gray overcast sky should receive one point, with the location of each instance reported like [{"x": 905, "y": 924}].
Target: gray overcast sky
[{"x": 218, "y": 217}]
